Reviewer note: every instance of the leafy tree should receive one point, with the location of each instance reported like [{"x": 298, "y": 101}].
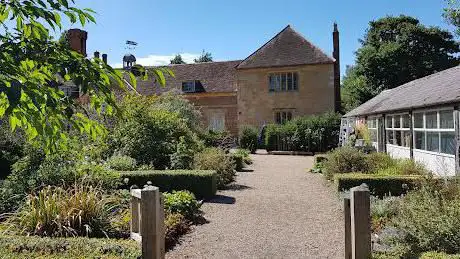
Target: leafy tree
[
  {"x": 33, "y": 65},
  {"x": 205, "y": 57},
  {"x": 394, "y": 51},
  {"x": 177, "y": 60},
  {"x": 452, "y": 14}
]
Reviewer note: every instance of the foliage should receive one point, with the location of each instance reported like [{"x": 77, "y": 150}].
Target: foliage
[
  {"x": 428, "y": 219},
  {"x": 177, "y": 60},
  {"x": 22, "y": 247},
  {"x": 362, "y": 132},
  {"x": 202, "y": 183},
  {"x": 382, "y": 211},
  {"x": 345, "y": 160},
  {"x": 379, "y": 185},
  {"x": 57, "y": 212},
  {"x": 317, "y": 133},
  {"x": 404, "y": 167},
  {"x": 176, "y": 103},
  {"x": 182, "y": 202},
  {"x": 217, "y": 139},
  {"x": 394, "y": 51},
  {"x": 150, "y": 135},
  {"x": 216, "y": 159},
  {"x": 33, "y": 65},
  {"x": 241, "y": 158},
  {"x": 122, "y": 163},
  {"x": 452, "y": 14},
  {"x": 249, "y": 138},
  {"x": 318, "y": 166},
  {"x": 204, "y": 57},
  {"x": 11, "y": 148},
  {"x": 176, "y": 225},
  {"x": 183, "y": 157},
  {"x": 436, "y": 255}
]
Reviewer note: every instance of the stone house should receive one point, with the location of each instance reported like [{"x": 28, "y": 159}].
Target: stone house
[{"x": 287, "y": 77}]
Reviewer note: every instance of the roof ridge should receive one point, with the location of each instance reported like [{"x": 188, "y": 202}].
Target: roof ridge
[
  {"x": 266, "y": 43},
  {"x": 200, "y": 63}
]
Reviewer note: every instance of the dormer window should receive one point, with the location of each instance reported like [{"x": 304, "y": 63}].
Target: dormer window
[{"x": 188, "y": 86}]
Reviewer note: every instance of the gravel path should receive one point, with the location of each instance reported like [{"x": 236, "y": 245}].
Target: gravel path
[{"x": 276, "y": 211}]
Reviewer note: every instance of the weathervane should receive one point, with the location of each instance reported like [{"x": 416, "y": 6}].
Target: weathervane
[{"x": 130, "y": 44}]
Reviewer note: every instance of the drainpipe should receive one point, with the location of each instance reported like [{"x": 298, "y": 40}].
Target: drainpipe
[
  {"x": 411, "y": 145},
  {"x": 457, "y": 140}
]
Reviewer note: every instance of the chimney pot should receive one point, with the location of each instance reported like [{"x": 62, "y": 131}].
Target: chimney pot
[
  {"x": 96, "y": 54},
  {"x": 104, "y": 58}
]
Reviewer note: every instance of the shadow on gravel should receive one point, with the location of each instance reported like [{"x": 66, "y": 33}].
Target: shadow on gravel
[
  {"x": 222, "y": 199},
  {"x": 246, "y": 170},
  {"x": 236, "y": 187}
]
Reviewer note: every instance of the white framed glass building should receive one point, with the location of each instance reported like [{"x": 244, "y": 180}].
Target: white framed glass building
[{"x": 418, "y": 120}]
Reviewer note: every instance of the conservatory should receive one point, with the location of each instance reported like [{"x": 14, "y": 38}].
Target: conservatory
[{"x": 418, "y": 120}]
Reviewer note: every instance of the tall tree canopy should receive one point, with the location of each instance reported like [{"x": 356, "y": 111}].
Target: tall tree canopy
[
  {"x": 33, "y": 65},
  {"x": 394, "y": 51},
  {"x": 452, "y": 14},
  {"x": 177, "y": 60},
  {"x": 205, "y": 57}
]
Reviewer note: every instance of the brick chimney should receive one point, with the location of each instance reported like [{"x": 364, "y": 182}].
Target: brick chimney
[
  {"x": 77, "y": 40},
  {"x": 336, "y": 55}
]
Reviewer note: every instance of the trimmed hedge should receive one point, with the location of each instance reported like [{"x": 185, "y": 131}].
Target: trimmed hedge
[
  {"x": 379, "y": 185},
  {"x": 79, "y": 247},
  {"x": 202, "y": 183}
]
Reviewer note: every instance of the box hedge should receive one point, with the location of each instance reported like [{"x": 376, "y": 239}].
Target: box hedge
[
  {"x": 79, "y": 247},
  {"x": 202, "y": 183},
  {"x": 379, "y": 185}
]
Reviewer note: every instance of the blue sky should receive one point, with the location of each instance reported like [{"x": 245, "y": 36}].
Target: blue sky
[{"x": 234, "y": 29}]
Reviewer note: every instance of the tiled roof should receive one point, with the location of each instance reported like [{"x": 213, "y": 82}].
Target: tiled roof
[
  {"x": 436, "y": 89},
  {"x": 211, "y": 77},
  {"x": 287, "y": 48}
]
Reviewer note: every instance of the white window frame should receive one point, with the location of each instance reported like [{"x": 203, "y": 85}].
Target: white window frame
[
  {"x": 394, "y": 130},
  {"x": 438, "y": 130},
  {"x": 374, "y": 127}
]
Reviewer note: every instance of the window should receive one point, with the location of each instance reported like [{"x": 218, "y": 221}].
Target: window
[
  {"x": 216, "y": 120},
  {"x": 372, "y": 123},
  {"x": 70, "y": 90},
  {"x": 188, "y": 86},
  {"x": 283, "y": 116},
  {"x": 282, "y": 82},
  {"x": 434, "y": 131},
  {"x": 398, "y": 130}
]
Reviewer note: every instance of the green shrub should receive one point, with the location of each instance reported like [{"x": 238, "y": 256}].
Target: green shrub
[
  {"x": 216, "y": 159},
  {"x": 11, "y": 148},
  {"x": 249, "y": 138},
  {"x": 57, "y": 212},
  {"x": 202, "y": 183},
  {"x": 175, "y": 226},
  {"x": 317, "y": 133},
  {"x": 150, "y": 135},
  {"x": 183, "y": 157},
  {"x": 182, "y": 202},
  {"x": 22, "y": 247},
  {"x": 345, "y": 160},
  {"x": 379, "y": 185},
  {"x": 379, "y": 161},
  {"x": 436, "y": 255},
  {"x": 122, "y": 163},
  {"x": 222, "y": 140},
  {"x": 382, "y": 211},
  {"x": 241, "y": 158},
  {"x": 429, "y": 221}
]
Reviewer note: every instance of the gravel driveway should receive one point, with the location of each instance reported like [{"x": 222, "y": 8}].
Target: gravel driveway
[{"x": 276, "y": 211}]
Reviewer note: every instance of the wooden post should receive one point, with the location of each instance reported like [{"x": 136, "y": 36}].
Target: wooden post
[
  {"x": 360, "y": 222},
  {"x": 147, "y": 222},
  {"x": 346, "y": 209}
]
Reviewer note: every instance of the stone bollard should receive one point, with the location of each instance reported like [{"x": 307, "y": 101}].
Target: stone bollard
[{"x": 360, "y": 222}]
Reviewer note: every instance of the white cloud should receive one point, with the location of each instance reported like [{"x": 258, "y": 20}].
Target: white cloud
[{"x": 160, "y": 60}]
